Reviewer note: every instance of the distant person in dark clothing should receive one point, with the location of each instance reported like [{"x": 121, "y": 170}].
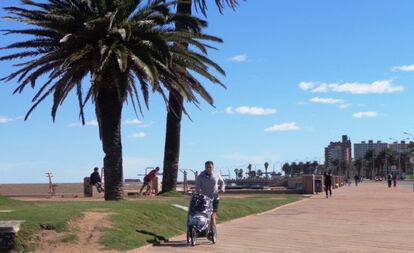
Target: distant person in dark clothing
[
  {"x": 95, "y": 179},
  {"x": 328, "y": 183},
  {"x": 394, "y": 180},
  {"x": 147, "y": 180},
  {"x": 356, "y": 178},
  {"x": 389, "y": 180}
]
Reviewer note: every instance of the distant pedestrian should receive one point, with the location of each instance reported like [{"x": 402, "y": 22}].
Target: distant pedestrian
[
  {"x": 147, "y": 180},
  {"x": 389, "y": 180},
  {"x": 95, "y": 179},
  {"x": 327, "y": 178},
  {"x": 394, "y": 180},
  {"x": 357, "y": 180},
  {"x": 348, "y": 181}
]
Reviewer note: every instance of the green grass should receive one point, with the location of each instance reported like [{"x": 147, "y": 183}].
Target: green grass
[
  {"x": 134, "y": 222},
  {"x": 71, "y": 238}
]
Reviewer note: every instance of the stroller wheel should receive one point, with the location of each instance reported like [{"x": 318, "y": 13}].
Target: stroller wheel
[{"x": 193, "y": 237}]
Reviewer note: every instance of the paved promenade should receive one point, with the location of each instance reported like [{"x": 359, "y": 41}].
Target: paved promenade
[{"x": 367, "y": 218}]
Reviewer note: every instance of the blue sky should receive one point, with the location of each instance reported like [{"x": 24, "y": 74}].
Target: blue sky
[{"x": 299, "y": 75}]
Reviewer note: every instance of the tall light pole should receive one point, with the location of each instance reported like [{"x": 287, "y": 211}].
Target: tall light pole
[
  {"x": 412, "y": 157},
  {"x": 399, "y": 151}
]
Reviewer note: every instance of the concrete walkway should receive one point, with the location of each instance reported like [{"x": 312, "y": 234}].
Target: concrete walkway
[{"x": 367, "y": 218}]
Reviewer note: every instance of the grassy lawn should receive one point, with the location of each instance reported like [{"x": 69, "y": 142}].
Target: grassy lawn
[{"x": 135, "y": 222}]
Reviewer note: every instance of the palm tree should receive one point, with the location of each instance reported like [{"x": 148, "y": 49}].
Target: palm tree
[
  {"x": 123, "y": 46},
  {"x": 358, "y": 163},
  {"x": 287, "y": 169},
  {"x": 176, "y": 104},
  {"x": 370, "y": 162},
  {"x": 335, "y": 164},
  {"x": 381, "y": 160}
]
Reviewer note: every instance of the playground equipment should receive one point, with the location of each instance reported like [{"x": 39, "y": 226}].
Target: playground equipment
[{"x": 52, "y": 186}]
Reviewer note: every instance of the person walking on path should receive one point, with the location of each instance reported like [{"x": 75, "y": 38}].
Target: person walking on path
[
  {"x": 356, "y": 178},
  {"x": 389, "y": 180},
  {"x": 210, "y": 183},
  {"x": 95, "y": 180},
  {"x": 147, "y": 180},
  {"x": 327, "y": 178},
  {"x": 394, "y": 180},
  {"x": 348, "y": 181}
]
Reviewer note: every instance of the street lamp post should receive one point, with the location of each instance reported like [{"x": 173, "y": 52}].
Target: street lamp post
[
  {"x": 399, "y": 151},
  {"x": 411, "y": 158}
]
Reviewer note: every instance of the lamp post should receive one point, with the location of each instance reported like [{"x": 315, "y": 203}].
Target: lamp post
[
  {"x": 412, "y": 157},
  {"x": 399, "y": 151}
]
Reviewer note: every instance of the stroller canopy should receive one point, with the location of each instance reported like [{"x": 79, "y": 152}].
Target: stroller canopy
[{"x": 200, "y": 203}]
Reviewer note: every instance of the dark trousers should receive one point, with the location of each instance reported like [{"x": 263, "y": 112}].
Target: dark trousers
[{"x": 328, "y": 188}]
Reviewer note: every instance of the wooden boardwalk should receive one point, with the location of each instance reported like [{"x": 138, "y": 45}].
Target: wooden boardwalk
[{"x": 367, "y": 218}]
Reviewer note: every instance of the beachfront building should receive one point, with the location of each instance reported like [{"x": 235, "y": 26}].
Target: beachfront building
[
  {"x": 360, "y": 149},
  {"x": 340, "y": 151}
]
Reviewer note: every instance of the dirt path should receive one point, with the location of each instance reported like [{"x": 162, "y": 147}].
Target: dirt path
[
  {"x": 364, "y": 219},
  {"x": 88, "y": 230}
]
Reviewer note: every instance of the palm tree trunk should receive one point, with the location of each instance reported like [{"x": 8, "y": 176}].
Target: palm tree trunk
[
  {"x": 173, "y": 130},
  {"x": 172, "y": 143},
  {"x": 108, "y": 112}
]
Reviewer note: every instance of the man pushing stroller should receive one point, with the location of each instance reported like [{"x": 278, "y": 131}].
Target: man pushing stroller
[{"x": 209, "y": 184}]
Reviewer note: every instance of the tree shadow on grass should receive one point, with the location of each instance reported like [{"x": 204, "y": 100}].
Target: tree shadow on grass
[{"x": 157, "y": 238}]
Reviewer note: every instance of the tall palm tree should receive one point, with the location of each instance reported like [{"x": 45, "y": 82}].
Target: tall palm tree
[
  {"x": 370, "y": 162},
  {"x": 125, "y": 47},
  {"x": 358, "y": 164},
  {"x": 176, "y": 103},
  {"x": 335, "y": 164},
  {"x": 287, "y": 169}
]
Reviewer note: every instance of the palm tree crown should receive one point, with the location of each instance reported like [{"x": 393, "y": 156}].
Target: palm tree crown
[
  {"x": 125, "y": 47},
  {"x": 202, "y": 5},
  {"x": 115, "y": 42}
]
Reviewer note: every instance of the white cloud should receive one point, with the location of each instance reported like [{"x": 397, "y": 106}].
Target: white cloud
[
  {"x": 306, "y": 85},
  {"x": 330, "y": 101},
  {"x": 404, "y": 68},
  {"x": 250, "y": 110},
  {"x": 132, "y": 122},
  {"x": 229, "y": 110},
  {"x": 5, "y": 120},
  {"x": 291, "y": 126},
  {"x": 377, "y": 87},
  {"x": 368, "y": 114},
  {"x": 139, "y": 135},
  {"x": 87, "y": 123},
  {"x": 239, "y": 58}
]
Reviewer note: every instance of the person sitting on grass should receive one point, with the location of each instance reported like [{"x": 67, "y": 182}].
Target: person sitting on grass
[
  {"x": 95, "y": 180},
  {"x": 147, "y": 180}
]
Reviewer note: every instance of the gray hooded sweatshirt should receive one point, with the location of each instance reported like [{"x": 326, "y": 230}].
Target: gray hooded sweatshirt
[{"x": 209, "y": 185}]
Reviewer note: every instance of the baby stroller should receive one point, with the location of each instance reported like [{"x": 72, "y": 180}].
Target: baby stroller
[{"x": 199, "y": 219}]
